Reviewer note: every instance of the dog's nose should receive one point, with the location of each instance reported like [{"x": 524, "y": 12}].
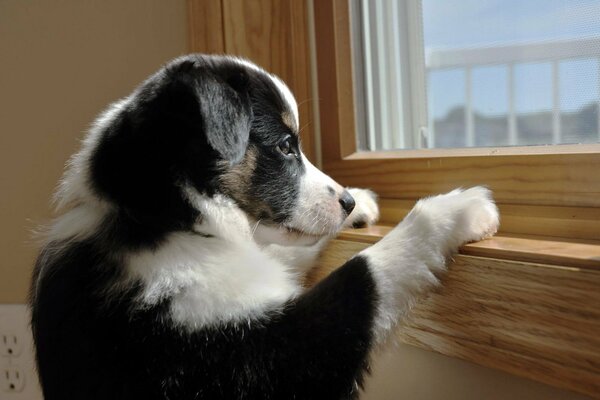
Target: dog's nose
[{"x": 347, "y": 202}]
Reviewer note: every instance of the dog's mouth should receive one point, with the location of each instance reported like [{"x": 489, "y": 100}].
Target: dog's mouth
[
  {"x": 297, "y": 232},
  {"x": 285, "y": 235}
]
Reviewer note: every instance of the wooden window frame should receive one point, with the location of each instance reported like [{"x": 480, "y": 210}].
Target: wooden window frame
[{"x": 556, "y": 180}]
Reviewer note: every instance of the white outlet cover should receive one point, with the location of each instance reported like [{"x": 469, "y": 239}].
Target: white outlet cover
[
  {"x": 10, "y": 345},
  {"x": 12, "y": 379},
  {"x": 14, "y": 320}
]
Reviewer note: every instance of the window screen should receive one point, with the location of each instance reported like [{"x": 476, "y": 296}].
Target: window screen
[{"x": 476, "y": 73}]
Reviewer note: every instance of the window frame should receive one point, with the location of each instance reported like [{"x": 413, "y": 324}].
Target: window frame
[{"x": 550, "y": 175}]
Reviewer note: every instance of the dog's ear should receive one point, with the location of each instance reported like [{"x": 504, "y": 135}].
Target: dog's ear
[
  {"x": 226, "y": 112},
  {"x": 214, "y": 99},
  {"x": 177, "y": 127}
]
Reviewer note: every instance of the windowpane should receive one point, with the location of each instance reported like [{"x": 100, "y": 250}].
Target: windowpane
[
  {"x": 477, "y": 72},
  {"x": 490, "y": 105},
  {"x": 533, "y": 103},
  {"x": 446, "y": 105},
  {"x": 579, "y": 100}
]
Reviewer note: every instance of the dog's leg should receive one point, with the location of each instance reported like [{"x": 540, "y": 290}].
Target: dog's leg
[
  {"x": 321, "y": 342},
  {"x": 407, "y": 261}
]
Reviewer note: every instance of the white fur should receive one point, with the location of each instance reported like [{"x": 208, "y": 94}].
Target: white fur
[
  {"x": 317, "y": 212},
  {"x": 211, "y": 280},
  {"x": 288, "y": 96},
  {"x": 405, "y": 262},
  {"x": 78, "y": 223},
  {"x": 299, "y": 258},
  {"x": 280, "y": 235},
  {"x": 220, "y": 216},
  {"x": 300, "y": 252}
]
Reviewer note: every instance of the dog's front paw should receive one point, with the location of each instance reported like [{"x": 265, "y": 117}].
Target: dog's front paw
[
  {"x": 366, "y": 211},
  {"x": 481, "y": 217},
  {"x": 461, "y": 216}
]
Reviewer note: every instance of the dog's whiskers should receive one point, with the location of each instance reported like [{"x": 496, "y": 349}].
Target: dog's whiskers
[{"x": 255, "y": 228}]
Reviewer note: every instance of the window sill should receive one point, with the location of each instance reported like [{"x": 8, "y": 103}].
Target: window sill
[{"x": 529, "y": 248}]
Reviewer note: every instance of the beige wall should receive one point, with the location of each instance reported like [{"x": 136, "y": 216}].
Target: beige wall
[
  {"x": 61, "y": 62},
  {"x": 406, "y": 372}
]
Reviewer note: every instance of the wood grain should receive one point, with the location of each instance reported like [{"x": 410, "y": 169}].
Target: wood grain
[
  {"x": 205, "y": 26},
  {"x": 540, "y": 249},
  {"x": 539, "y": 179},
  {"x": 562, "y": 222},
  {"x": 334, "y": 70},
  {"x": 537, "y": 321},
  {"x": 550, "y": 251}
]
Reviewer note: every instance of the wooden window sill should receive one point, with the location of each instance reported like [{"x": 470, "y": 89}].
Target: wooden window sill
[
  {"x": 527, "y": 305},
  {"x": 537, "y": 249}
]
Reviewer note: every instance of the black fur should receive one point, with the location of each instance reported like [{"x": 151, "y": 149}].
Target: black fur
[
  {"x": 192, "y": 123},
  {"x": 95, "y": 347}
]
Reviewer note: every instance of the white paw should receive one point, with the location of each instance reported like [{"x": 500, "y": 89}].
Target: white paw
[
  {"x": 366, "y": 211},
  {"x": 481, "y": 217},
  {"x": 462, "y": 215}
]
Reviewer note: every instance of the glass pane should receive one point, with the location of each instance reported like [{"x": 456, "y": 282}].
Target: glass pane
[
  {"x": 533, "y": 103},
  {"x": 490, "y": 105},
  {"x": 579, "y": 101},
  {"x": 477, "y": 72},
  {"x": 446, "y": 105}
]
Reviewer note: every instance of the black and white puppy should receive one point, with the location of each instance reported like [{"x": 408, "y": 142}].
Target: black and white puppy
[{"x": 190, "y": 215}]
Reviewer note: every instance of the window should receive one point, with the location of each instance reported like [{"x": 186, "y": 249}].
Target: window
[
  {"x": 560, "y": 184},
  {"x": 478, "y": 73}
]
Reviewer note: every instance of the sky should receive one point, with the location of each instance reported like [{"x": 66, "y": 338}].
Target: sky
[{"x": 454, "y": 24}]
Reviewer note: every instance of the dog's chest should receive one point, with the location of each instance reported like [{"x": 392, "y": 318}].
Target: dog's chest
[{"x": 209, "y": 280}]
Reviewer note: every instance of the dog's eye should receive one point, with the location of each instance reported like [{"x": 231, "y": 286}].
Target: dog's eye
[{"x": 285, "y": 147}]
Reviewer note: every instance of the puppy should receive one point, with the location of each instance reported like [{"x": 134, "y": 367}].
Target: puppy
[{"x": 190, "y": 215}]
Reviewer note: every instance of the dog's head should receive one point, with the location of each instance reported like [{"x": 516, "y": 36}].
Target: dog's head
[{"x": 217, "y": 125}]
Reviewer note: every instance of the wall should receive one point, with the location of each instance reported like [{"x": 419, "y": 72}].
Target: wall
[
  {"x": 407, "y": 372},
  {"x": 62, "y": 62}
]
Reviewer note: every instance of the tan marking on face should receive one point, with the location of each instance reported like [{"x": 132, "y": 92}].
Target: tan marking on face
[
  {"x": 236, "y": 183},
  {"x": 237, "y": 178},
  {"x": 289, "y": 120}
]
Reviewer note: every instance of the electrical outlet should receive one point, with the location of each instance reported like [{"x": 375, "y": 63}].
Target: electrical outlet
[
  {"x": 18, "y": 378},
  {"x": 10, "y": 345},
  {"x": 12, "y": 379}
]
